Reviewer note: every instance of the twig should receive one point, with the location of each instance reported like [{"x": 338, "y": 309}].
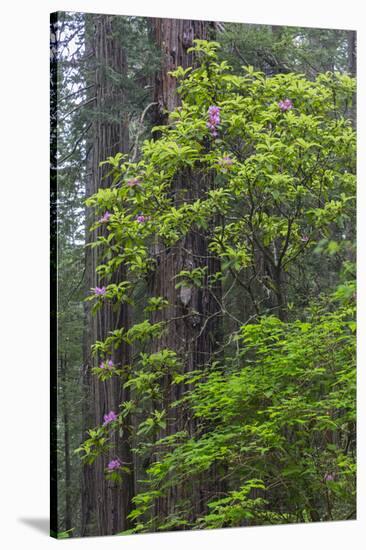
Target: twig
[
  {"x": 61, "y": 161},
  {"x": 78, "y": 107},
  {"x": 139, "y": 133}
]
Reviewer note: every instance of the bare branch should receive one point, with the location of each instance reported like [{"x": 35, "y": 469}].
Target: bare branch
[{"x": 139, "y": 133}]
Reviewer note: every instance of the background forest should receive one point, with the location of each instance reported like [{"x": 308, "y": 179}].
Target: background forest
[{"x": 203, "y": 196}]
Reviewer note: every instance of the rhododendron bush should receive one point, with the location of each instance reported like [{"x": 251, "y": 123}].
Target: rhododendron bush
[{"x": 261, "y": 172}]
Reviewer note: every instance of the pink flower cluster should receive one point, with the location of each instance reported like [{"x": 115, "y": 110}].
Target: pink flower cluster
[
  {"x": 105, "y": 217},
  {"x": 133, "y": 182},
  {"x": 108, "y": 365},
  {"x": 100, "y": 290},
  {"x": 225, "y": 163},
  {"x": 110, "y": 417},
  {"x": 285, "y": 104},
  {"x": 213, "y": 119},
  {"x": 141, "y": 218},
  {"x": 114, "y": 465},
  {"x": 329, "y": 477}
]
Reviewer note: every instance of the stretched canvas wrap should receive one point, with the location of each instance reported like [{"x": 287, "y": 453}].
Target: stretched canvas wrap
[{"x": 203, "y": 275}]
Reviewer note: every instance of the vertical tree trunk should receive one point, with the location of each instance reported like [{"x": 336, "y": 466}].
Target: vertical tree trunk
[
  {"x": 173, "y": 37},
  {"x": 352, "y": 69},
  {"x": 54, "y": 91},
  {"x": 192, "y": 312},
  {"x": 106, "y": 506},
  {"x": 351, "y": 50},
  {"x": 63, "y": 380}
]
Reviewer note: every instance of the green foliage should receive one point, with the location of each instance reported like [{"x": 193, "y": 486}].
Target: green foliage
[
  {"x": 95, "y": 445},
  {"x": 151, "y": 370},
  {"x": 144, "y": 331},
  {"x": 195, "y": 277},
  {"x": 62, "y": 534},
  {"x": 291, "y": 176},
  {"x": 273, "y": 406},
  {"x": 277, "y": 49},
  {"x": 153, "y": 423},
  {"x": 284, "y": 412},
  {"x": 155, "y": 304},
  {"x": 235, "y": 509}
]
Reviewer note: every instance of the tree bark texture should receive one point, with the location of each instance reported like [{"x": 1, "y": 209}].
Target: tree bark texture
[
  {"x": 105, "y": 505},
  {"x": 65, "y": 414},
  {"x": 173, "y": 37},
  {"x": 193, "y": 313},
  {"x": 352, "y": 52},
  {"x": 352, "y": 69}
]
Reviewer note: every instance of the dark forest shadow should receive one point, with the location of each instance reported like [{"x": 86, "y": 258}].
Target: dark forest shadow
[{"x": 40, "y": 524}]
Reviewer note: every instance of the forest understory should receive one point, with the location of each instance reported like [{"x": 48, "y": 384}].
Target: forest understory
[{"x": 203, "y": 218}]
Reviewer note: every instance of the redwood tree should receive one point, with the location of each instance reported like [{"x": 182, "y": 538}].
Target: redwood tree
[
  {"x": 192, "y": 313},
  {"x": 104, "y": 506}
]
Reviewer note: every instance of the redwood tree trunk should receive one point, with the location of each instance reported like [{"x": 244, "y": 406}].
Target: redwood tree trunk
[
  {"x": 352, "y": 69},
  {"x": 173, "y": 37},
  {"x": 351, "y": 51},
  {"x": 63, "y": 379},
  {"x": 192, "y": 312},
  {"x": 105, "y": 506}
]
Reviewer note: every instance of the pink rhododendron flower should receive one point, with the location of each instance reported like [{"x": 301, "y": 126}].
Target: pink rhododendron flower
[
  {"x": 141, "y": 218},
  {"x": 104, "y": 365},
  {"x": 329, "y": 477},
  {"x": 100, "y": 291},
  {"x": 285, "y": 104},
  {"x": 105, "y": 217},
  {"x": 225, "y": 163},
  {"x": 133, "y": 182},
  {"x": 304, "y": 238},
  {"x": 110, "y": 417},
  {"x": 213, "y": 111},
  {"x": 213, "y": 119},
  {"x": 114, "y": 465}
]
